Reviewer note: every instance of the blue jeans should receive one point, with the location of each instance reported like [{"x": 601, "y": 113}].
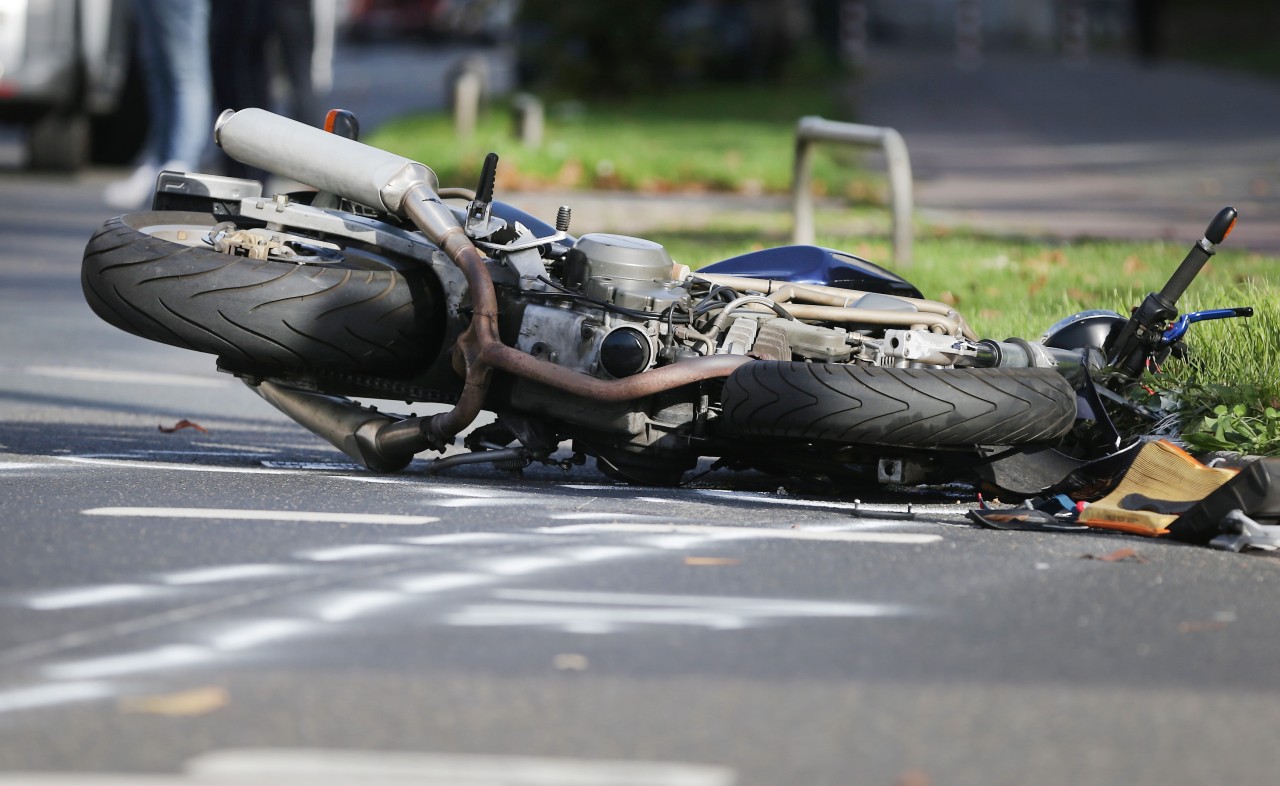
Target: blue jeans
[{"x": 173, "y": 38}]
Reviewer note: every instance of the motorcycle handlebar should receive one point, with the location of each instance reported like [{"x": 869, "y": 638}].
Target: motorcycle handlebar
[
  {"x": 1216, "y": 232},
  {"x": 326, "y": 161}
]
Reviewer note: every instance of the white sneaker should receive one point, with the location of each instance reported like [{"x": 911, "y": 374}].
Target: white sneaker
[{"x": 134, "y": 191}]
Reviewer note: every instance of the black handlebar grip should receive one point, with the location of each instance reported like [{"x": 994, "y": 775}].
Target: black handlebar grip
[
  {"x": 1221, "y": 225},
  {"x": 488, "y": 176},
  {"x": 1215, "y": 233}
]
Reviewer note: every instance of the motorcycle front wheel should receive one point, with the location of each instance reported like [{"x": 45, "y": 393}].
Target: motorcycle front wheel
[
  {"x": 848, "y": 404},
  {"x": 156, "y": 275}
]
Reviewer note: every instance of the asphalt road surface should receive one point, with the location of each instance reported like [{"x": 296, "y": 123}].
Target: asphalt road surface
[{"x": 236, "y": 604}]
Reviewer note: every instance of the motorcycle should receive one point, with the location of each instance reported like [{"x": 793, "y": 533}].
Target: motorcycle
[{"x": 796, "y": 361}]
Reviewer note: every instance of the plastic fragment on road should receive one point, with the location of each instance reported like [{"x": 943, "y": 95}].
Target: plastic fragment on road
[
  {"x": 1163, "y": 482},
  {"x": 1239, "y": 532},
  {"x": 1236, "y": 515},
  {"x": 1042, "y": 514}
]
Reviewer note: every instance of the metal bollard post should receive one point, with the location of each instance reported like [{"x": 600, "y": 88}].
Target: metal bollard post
[
  {"x": 530, "y": 119},
  {"x": 816, "y": 129},
  {"x": 467, "y": 87}
]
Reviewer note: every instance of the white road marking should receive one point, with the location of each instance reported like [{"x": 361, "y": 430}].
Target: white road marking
[
  {"x": 89, "y": 596},
  {"x": 219, "y": 573},
  {"x": 142, "y": 454},
  {"x": 772, "y": 606},
  {"x": 167, "y": 657},
  {"x": 611, "y": 612},
  {"x": 53, "y": 694},
  {"x": 429, "y": 583},
  {"x": 262, "y": 515},
  {"x": 492, "y": 502},
  {"x": 313, "y": 466},
  {"x": 402, "y": 481},
  {"x": 469, "y": 538},
  {"x": 520, "y": 565},
  {"x": 101, "y": 461},
  {"x": 465, "y": 491},
  {"x": 9, "y": 466},
  {"x": 125, "y": 377},
  {"x": 357, "y": 551},
  {"x": 349, "y": 605},
  {"x": 771, "y": 499},
  {"x": 711, "y": 531},
  {"x": 601, "y": 517},
  {"x": 444, "y": 769},
  {"x": 257, "y": 632}
]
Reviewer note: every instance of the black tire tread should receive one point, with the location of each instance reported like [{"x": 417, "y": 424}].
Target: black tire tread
[
  {"x": 853, "y": 404},
  {"x": 266, "y": 314}
]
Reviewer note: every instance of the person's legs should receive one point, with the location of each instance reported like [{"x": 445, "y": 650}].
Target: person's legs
[
  {"x": 157, "y": 83},
  {"x": 183, "y": 45},
  {"x": 294, "y": 27},
  {"x": 238, "y": 32}
]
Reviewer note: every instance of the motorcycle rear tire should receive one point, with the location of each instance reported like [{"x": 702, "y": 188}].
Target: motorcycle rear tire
[
  {"x": 361, "y": 313},
  {"x": 824, "y": 402}
]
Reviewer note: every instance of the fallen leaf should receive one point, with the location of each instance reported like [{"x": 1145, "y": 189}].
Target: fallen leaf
[
  {"x": 1119, "y": 555},
  {"x": 711, "y": 561},
  {"x": 199, "y": 701},
  {"x": 184, "y": 423}
]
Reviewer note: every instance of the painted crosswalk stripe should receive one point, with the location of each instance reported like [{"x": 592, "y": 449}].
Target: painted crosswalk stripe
[{"x": 261, "y": 515}]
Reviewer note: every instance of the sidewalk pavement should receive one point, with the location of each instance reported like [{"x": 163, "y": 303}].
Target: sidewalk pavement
[{"x": 1030, "y": 145}]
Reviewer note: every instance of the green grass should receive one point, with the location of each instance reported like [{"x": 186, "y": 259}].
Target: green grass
[
  {"x": 1017, "y": 287},
  {"x": 737, "y": 139}
]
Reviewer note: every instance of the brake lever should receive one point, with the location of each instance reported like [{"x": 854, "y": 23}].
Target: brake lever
[{"x": 1183, "y": 323}]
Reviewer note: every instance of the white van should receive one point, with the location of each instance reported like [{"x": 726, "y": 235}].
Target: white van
[{"x": 63, "y": 63}]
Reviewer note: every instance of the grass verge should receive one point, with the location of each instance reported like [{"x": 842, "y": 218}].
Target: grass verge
[{"x": 736, "y": 139}]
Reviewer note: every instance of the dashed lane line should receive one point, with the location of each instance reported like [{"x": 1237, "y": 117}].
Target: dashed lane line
[
  {"x": 712, "y": 531},
  {"x": 235, "y": 514}
]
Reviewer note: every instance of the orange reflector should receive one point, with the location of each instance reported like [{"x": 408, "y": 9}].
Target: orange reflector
[
  {"x": 330, "y": 119},
  {"x": 1230, "y": 227}
]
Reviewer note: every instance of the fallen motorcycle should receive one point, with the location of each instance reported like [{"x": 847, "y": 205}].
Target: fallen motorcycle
[{"x": 795, "y": 361}]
